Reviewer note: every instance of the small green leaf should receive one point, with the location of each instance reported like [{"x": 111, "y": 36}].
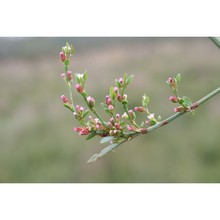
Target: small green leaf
[
  {"x": 112, "y": 93},
  {"x": 77, "y": 79},
  {"x": 142, "y": 124},
  {"x": 145, "y": 100},
  {"x": 125, "y": 78},
  {"x": 187, "y": 101},
  {"x": 85, "y": 75},
  {"x": 178, "y": 77},
  {"x": 93, "y": 158},
  {"x": 67, "y": 106},
  {"x": 181, "y": 101},
  {"x": 104, "y": 151},
  {"x": 66, "y": 62},
  {"x": 130, "y": 79},
  {"x": 106, "y": 139},
  {"x": 152, "y": 122},
  {"x": 117, "y": 83},
  {"x": 125, "y": 102},
  {"x": 107, "y": 110},
  {"x": 159, "y": 118},
  {"x": 122, "y": 123},
  {"x": 85, "y": 113},
  {"x": 91, "y": 135}
]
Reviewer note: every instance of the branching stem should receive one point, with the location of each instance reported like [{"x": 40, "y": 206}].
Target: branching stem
[{"x": 177, "y": 115}]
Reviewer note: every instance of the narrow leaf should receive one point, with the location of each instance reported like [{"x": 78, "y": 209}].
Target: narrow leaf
[
  {"x": 107, "y": 110},
  {"x": 130, "y": 79},
  {"x": 112, "y": 93},
  {"x": 117, "y": 83},
  {"x": 85, "y": 113},
  {"x": 85, "y": 75},
  {"x": 106, "y": 139},
  {"x": 103, "y": 152},
  {"x": 93, "y": 158},
  {"x": 159, "y": 118},
  {"x": 77, "y": 79},
  {"x": 178, "y": 77},
  {"x": 145, "y": 100},
  {"x": 187, "y": 101},
  {"x": 92, "y": 135},
  {"x": 125, "y": 77}
]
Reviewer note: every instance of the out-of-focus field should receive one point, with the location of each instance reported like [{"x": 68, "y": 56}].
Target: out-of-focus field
[{"x": 37, "y": 142}]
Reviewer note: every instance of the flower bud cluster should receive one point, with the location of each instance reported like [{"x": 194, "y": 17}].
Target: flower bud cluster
[
  {"x": 82, "y": 130},
  {"x": 185, "y": 102},
  {"x": 120, "y": 127}
]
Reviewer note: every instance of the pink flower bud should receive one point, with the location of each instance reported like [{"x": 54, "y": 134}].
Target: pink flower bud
[
  {"x": 170, "y": 80},
  {"x": 116, "y": 89},
  {"x": 119, "y": 98},
  {"x": 84, "y": 131},
  {"x": 69, "y": 75},
  {"x": 79, "y": 88},
  {"x": 62, "y": 56},
  {"x": 125, "y": 116},
  {"x": 173, "y": 99},
  {"x": 77, "y": 108},
  {"x": 131, "y": 113},
  {"x": 131, "y": 128},
  {"x": 121, "y": 80},
  {"x": 97, "y": 121},
  {"x": 91, "y": 101},
  {"x": 110, "y": 124},
  {"x": 148, "y": 122},
  {"x": 179, "y": 109},
  {"x": 117, "y": 126},
  {"x": 64, "y": 99},
  {"x": 117, "y": 116},
  {"x": 81, "y": 109},
  {"x": 139, "y": 109},
  {"x": 112, "y": 120},
  {"x": 77, "y": 129},
  {"x": 63, "y": 75},
  {"x": 111, "y": 107},
  {"x": 108, "y": 101}
]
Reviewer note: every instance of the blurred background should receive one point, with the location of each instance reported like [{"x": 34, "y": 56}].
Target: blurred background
[{"x": 37, "y": 142}]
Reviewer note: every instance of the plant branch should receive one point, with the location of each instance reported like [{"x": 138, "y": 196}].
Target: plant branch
[
  {"x": 177, "y": 115},
  {"x": 132, "y": 135},
  {"x": 216, "y": 41}
]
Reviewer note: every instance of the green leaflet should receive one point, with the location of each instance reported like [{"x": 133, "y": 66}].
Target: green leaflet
[
  {"x": 145, "y": 100},
  {"x": 106, "y": 139},
  {"x": 85, "y": 113},
  {"x": 112, "y": 93},
  {"x": 187, "y": 101},
  {"x": 130, "y": 79},
  {"x": 178, "y": 77},
  {"x": 92, "y": 135},
  {"x": 104, "y": 152}
]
